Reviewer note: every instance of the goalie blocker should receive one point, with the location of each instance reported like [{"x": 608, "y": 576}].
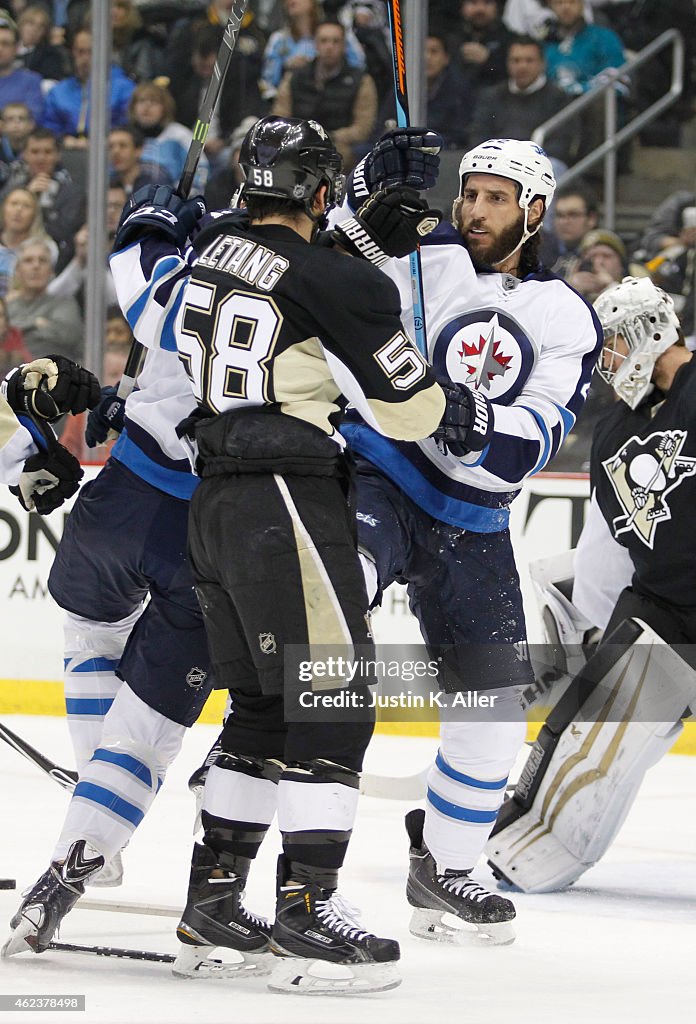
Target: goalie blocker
[{"x": 618, "y": 717}]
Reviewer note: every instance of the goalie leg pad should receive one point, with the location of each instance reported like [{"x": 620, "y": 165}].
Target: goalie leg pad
[
  {"x": 120, "y": 782},
  {"x": 586, "y": 768}
]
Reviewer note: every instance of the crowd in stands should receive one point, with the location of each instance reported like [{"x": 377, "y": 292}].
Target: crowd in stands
[{"x": 492, "y": 68}]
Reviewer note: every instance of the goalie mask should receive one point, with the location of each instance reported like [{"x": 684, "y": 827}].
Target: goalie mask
[
  {"x": 290, "y": 158},
  {"x": 641, "y": 314}
]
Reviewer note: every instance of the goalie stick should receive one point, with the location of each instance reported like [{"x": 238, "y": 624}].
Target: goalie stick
[
  {"x": 136, "y": 356},
  {"x": 114, "y": 951},
  {"x": 63, "y": 776}
]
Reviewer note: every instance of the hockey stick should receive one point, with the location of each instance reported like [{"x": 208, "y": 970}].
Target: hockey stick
[
  {"x": 126, "y": 907},
  {"x": 114, "y": 951},
  {"x": 402, "y": 120},
  {"x": 136, "y": 356},
  {"x": 63, "y": 776}
]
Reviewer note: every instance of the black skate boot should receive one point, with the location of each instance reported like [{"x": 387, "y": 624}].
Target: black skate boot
[
  {"x": 434, "y": 895},
  {"x": 322, "y": 946},
  {"x": 54, "y": 895},
  {"x": 216, "y": 916}
]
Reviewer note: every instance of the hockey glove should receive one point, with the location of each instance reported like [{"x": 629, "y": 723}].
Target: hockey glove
[
  {"x": 404, "y": 156},
  {"x": 392, "y": 222},
  {"x": 108, "y": 414},
  {"x": 467, "y": 422},
  {"x": 158, "y": 209},
  {"x": 48, "y": 387},
  {"x": 48, "y": 479}
]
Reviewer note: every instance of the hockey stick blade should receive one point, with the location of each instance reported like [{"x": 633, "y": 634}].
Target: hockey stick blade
[
  {"x": 395, "y": 787},
  {"x": 63, "y": 776},
  {"x": 113, "y": 951},
  {"x": 127, "y": 907}
]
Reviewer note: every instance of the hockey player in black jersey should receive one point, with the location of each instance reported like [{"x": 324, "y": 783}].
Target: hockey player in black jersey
[
  {"x": 624, "y": 710},
  {"x": 278, "y": 334}
]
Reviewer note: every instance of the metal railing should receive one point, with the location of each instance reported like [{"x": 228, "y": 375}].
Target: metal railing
[{"x": 613, "y": 137}]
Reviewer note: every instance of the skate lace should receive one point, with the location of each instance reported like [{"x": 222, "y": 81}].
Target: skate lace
[
  {"x": 462, "y": 885},
  {"x": 341, "y": 917},
  {"x": 248, "y": 915}
]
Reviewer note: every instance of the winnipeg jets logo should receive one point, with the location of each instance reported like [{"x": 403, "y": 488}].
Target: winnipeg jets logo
[
  {"x": 483, "y": 360},
  {"x": 486, "y": 350},
  {"x": 642, "y": 473}
]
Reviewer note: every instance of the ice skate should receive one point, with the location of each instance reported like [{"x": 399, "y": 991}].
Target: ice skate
[
  {"x": 323, "y": 949},
  {"x": 215, "y": 916},
  {"x": 454, "y": 895},
  {"x": 55, "y": 894},
  {"x": 110, "y": 876}
]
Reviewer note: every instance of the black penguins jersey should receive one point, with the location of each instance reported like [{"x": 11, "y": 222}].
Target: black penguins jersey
[{"x": 643, "y": 472}]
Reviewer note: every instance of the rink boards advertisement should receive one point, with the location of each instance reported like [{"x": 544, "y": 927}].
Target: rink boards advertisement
[{"x": 546, "y": 519}]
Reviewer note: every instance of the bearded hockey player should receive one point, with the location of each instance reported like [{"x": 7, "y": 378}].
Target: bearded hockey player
[{"x": 624, "y": 710}]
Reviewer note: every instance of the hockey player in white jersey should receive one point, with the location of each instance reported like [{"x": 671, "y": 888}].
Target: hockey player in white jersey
[
  {"x": 518, "y": 346},
  {"x": 633, "y": 578},
  {"x": 137, "y": 671}
]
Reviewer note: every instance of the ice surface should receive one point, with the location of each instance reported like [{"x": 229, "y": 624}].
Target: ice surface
[{"x": 617, "y": 947}]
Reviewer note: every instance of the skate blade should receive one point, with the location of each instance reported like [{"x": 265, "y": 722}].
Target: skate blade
[
  {"x": 24, "y": 938},
  {"x": 195, "y": 962},
  {"x": 437, "y": 926},
  {"x": 309, "y": 977},
  {"x": 110, "y": 876}
]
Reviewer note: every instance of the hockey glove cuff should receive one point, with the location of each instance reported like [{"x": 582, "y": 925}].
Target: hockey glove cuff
[
  {"x": 158, "y": 209},
  {"x": 404, "y": 156},
  {"x": 47, "y": 480},
  {"x": 390, "y": 223},
  {"x": 467, "y": 422},
  {"x": 48, "y": 387},
  {"x": 108, "y": 414}
]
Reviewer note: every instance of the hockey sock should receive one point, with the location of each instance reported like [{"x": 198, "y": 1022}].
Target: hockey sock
[
  {"x": 466, "y": 785},
  {"x": 239, "y": 803},
  {"x": 317, "y": 802},
  {"x": 119, "y": 783}
]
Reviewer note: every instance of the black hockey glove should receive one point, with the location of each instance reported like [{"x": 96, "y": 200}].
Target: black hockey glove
[
  {"x": 48, "y": 479},
  {"x": 49, "y": 387},
  {"x": 467, "y": 422},
  {"x": 108, "y": 414},
  {"x": 404, "y": 156},
  {"x": 392, "y": 222},
  {"x": 158, "y": 209}
]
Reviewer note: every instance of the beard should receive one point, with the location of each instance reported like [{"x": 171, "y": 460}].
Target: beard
[{"x": 485, "y": 258}]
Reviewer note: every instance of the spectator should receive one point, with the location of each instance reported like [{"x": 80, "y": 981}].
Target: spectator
[
  {"x": 62, "y": 202},
  {"x": 664, "y": 227},
  {"x": 134, "y": 49},
  {"x": 447, "y": 107},
  {"x": 367, "y": 19},
  {"x": 72, "y": 279},
  {"x": 579, "y": 53},
  {"x": 575, "y": 212},
  {"x": 36, "y": 52},
  {"x": 128, "y": 169},
  {"x": 341, "y": 98},
  {"x": 515, "y": 108},
  {"x": 151, "y": 111},
  {"x": 15, "y": 122},
  {"x": 67, "y": 110},
  {"x": 292, "y": 47},
  {"x": 602, "y": 261},
  {"x": 49, "y": 324},
  {"x": 480, "y": 41},
  {"x": 240, "y": 94},
  {"x": 674, "y": 269},
  {"x": 224, "y": 183},
  {"x": 17, "y": 85},
  {"x": 443, "y": 16},
  {"x": 20, "y": 216},
  {"x": 13, "y": 351}
]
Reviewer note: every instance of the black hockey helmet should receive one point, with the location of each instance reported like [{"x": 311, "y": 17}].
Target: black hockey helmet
[{"x": 291, "y": 158}]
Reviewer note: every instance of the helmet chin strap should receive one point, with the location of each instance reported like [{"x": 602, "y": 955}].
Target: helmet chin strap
[{"x": 526, "y": 235}]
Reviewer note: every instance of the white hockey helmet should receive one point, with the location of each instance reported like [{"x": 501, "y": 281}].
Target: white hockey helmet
[
  {"x": 523, "y": 162},
  {"x": 643, "y": 315}
]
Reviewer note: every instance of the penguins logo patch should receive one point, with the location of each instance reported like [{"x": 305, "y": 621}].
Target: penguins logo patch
[{"x": 643, "y": 472}]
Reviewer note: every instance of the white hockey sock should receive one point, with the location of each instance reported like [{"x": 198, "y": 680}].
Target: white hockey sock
[
  {"x": 119, "y": 783},
  {"x": 466, "y": 785}
]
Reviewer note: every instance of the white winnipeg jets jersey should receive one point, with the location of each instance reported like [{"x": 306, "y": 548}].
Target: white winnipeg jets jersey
[{"x": 529, "y": 346}]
